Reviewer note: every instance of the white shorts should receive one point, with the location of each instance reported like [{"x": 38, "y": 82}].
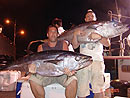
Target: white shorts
[{"x": 93, "y": 74}]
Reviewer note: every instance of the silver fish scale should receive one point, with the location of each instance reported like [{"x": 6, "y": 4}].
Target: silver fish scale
[
  {"x": 108, "y": 29},
  {"x": 111, "y": 29},
  {"x": 70, "y": 62},
  {"x": 51, "y": 63},
  {"x": 51, "y": 69}
]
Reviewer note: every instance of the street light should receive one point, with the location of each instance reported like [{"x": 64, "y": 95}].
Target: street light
[
  {"x": 14, "y": 33},
  {"x": 1, "y": 28},
  {"x": 7, "y": 21},
  {"x": 22, "y": 32}
]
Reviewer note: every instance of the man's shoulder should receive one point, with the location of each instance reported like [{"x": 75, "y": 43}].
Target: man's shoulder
[
  {"x": 44, "y": 43},
  {"x": 45, "y": 40}
]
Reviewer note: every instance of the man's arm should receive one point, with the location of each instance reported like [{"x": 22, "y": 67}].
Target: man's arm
[
  {"x": 39, "y": 49},
  {"x": 65, "y": 46},
  {"x": 94, "y": 36},
  {"x": 105, "y": 41},
  {"x": 75, "y": 42}
]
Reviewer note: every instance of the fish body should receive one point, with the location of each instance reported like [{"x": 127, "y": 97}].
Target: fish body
[
  {"x": 108, "y": 29},
  {"x": 52, "y": 63}
]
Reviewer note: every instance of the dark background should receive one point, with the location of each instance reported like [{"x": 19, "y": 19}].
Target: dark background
[{"x": 35, "y": 15}]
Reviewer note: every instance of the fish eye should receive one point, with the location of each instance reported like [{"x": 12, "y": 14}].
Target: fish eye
[
  {"x": 115, "y": 25},
  {"x": 77, "y": 58}
]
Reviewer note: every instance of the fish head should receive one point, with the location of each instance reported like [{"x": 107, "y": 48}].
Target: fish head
[
  {"x": 83, "y": 61},
  {"x": 119, "y": 27},
  {"x": 112, "y": 29}
]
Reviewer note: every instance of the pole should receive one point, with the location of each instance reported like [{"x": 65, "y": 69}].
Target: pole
[
  {"x": 14, "y": 40},
  {"x": 110, "y": 13}
]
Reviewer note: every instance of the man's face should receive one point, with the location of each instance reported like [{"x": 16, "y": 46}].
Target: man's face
[
  {"x": 89, "y": 17},
  {"x": 52, "y": 34}
]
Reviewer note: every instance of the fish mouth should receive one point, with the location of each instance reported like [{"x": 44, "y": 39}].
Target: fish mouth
[{"x": 124, "y": 28}]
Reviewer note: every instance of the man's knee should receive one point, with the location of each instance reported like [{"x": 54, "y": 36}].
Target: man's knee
[
  {"x": 71, "y": 87},
  {"x": 32, "y": 83},
  {"x": 72, "y": 84},
  {"x": 37, "y": 89}
]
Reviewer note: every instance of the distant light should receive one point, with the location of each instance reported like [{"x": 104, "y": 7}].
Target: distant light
[
  {"x": 22, "y": 32},
  {"x": 0, "y": 30},
  {"x": 7, "y": 21}
]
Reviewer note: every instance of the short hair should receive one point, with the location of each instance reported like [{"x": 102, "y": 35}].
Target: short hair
[
  {"x": 57, "y": 21},
  {"x": 50, "y": 27},
  {"x": 91, "y": 11}
]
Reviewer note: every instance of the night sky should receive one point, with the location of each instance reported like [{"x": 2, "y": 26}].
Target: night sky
[{"x": 35, "y": 15}]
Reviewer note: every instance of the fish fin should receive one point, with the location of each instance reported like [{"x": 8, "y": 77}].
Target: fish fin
[
  {"x": 92, "y": 27},
  {"x": 53, "y": 61},
  {"x": 95, "y": 26}
]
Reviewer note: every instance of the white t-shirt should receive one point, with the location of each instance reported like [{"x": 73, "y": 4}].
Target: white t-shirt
[
  {"x": 93, "y": 49},
  {"x": 60, "y": 31},
  {"x": 128, "y": 38}
]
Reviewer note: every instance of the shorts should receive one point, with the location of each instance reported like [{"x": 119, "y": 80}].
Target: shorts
[
  {"x": 93, "y": 74},
  {"x": 64, "y": 80}
]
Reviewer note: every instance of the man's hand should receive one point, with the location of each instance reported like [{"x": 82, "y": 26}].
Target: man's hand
[
  {"x": 32, "y": 68},
  {"x": 68, "y": 72},
  {"x": 95, "y": 36}
]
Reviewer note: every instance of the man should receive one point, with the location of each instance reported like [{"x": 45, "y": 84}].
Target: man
[
  {"x": 58, "y": 23},
  {"x": 38, "y": 82},
  {"x": 94, "y": 73}
]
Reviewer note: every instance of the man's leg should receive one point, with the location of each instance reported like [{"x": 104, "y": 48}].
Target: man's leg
[
  {"x": 37, "y": 90},
  {"x": 98, "y": 79},
  {"x": 71, "y": 89},
  {"x": 83, "y": 77}
]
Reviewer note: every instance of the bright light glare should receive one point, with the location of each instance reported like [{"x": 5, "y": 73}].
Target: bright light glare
[
  {"x": 7, "y": 21},
  {"x": 22, "y": 32}
]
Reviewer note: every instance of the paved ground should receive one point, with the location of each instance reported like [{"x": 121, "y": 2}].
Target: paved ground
[{"x": 7, "y": 94}]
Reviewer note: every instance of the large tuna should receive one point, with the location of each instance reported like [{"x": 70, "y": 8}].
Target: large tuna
[
  {"x": 108, "y": 29},
  {"x": 51, "y": 63}
]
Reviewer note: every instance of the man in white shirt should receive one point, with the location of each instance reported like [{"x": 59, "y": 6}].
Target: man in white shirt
[
  {"x": 94, "y": 73},
  {"x": 58, "y": 23}
]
